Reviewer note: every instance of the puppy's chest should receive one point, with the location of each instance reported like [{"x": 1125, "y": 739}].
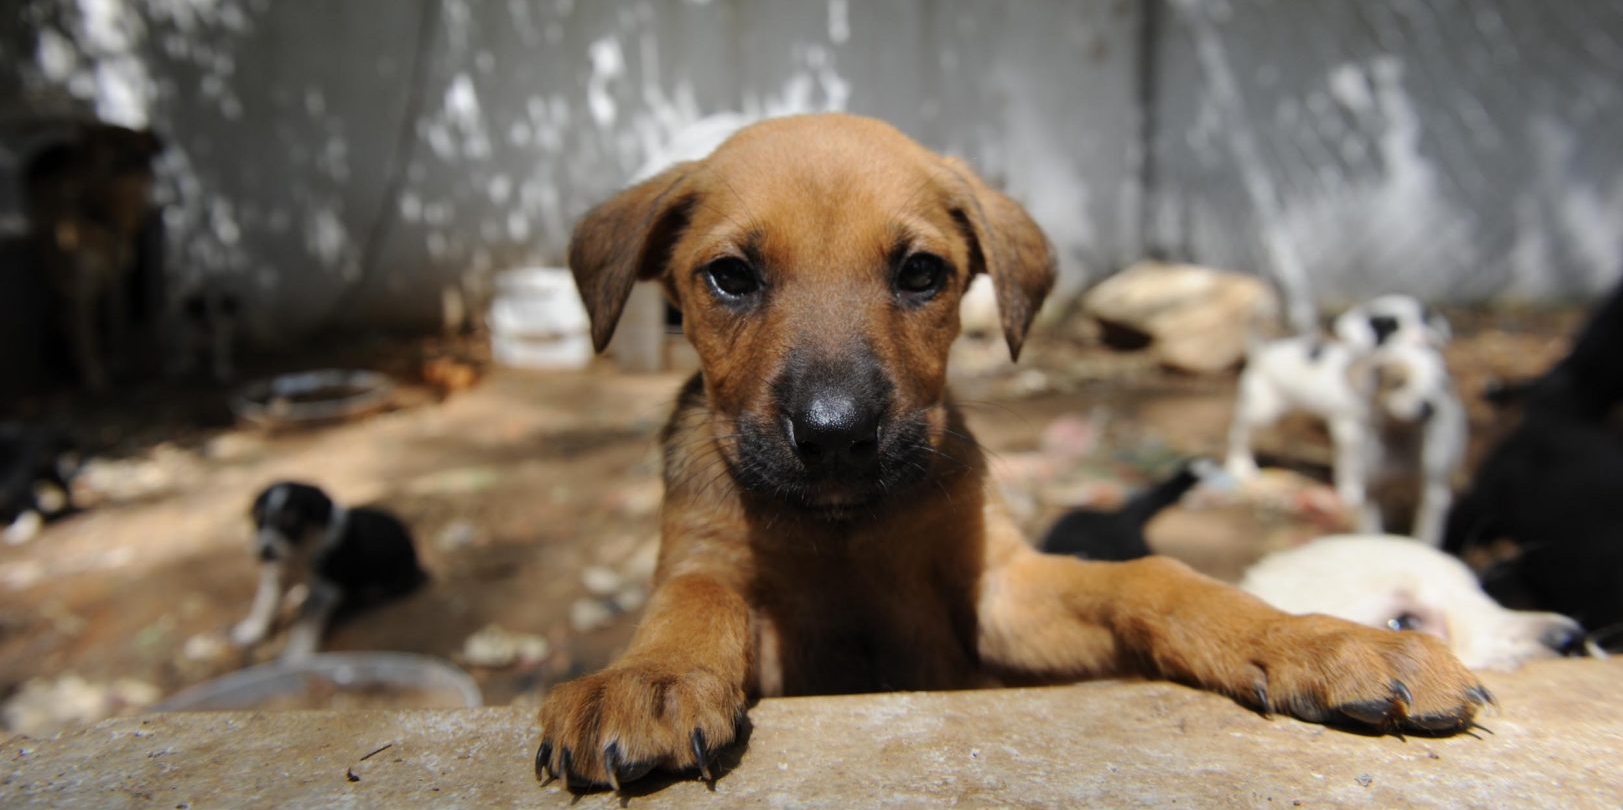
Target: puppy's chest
[{"x": 840, "y": 630}]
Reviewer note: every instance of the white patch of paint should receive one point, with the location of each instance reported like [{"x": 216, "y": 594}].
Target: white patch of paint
[
  {"x": 411, "y": 207},
  {"x": 326, "y": 236},
  {"x": 1350, "y": 89},
  {"x": 839, "y": 22},
  {"x": 56, "y": 56},
  {"x": 518, "y": 226},
  {"x": 500, "y": 188},
  {"x": 1588, "y": 211},
  {"x": 608, "y": 65},
  {"x": 223, "y": 222}
]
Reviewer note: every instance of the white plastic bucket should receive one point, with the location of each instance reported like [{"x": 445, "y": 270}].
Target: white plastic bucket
[{"x": 537, "y": 320}]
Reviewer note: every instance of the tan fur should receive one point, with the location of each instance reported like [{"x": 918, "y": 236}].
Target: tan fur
[{"x": 933, "y": 587}]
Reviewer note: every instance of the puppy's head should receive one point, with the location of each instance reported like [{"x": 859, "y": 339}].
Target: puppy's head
[
  {"x": 818, "y": 262},
  {"x": 1391, "y": 320},
  {"x": 1403, "y": 584},
  {"x": 1411, "y": 381},
  {"x": 286, "y": 516}
]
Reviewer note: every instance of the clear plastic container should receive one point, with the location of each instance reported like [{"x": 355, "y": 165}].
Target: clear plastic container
[{"x": 343, "y": 680}]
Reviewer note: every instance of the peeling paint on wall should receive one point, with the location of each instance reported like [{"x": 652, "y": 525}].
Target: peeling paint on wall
[{"x": 364, "y": 156}]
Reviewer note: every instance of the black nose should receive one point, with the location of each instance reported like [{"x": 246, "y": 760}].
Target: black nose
[
  {"x": 836, "y": 430},
  {"x": 1427, "y": 410},
  {"x": 1565, "y": 639},
  {"x": 1383, "y": 326},
  {"x": 267, "y": 554}
]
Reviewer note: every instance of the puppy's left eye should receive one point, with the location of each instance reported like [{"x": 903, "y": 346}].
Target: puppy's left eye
[
  {"x": 921, "y": 275},
  {"x": 1404, "y": 621}
]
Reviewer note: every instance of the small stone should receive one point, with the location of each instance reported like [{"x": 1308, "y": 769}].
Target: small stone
[
  {"x": 601, "y": 580},
  {"x": 589, "y": 614}
]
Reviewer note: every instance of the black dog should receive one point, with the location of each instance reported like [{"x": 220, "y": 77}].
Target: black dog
[
  {"x": 346, "y": 556},
  {"x": 1551, "y": 487},
  {"x": 1118, "y": 535},
  {"x": 37, "y": 465}
]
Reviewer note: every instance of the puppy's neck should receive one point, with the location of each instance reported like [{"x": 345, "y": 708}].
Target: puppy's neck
[{"x": 337, "y": 524}]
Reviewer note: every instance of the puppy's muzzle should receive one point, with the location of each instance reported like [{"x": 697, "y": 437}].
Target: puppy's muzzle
[{"x": 835, "y": 431}]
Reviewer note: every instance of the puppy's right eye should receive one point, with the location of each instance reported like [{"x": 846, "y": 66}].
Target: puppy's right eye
[
  {"x": 731, "y": 278},
  {"x": 1404, "y": 621}
]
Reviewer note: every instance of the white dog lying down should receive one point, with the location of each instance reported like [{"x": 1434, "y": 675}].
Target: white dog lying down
[{"x": 1388, "y": 581}]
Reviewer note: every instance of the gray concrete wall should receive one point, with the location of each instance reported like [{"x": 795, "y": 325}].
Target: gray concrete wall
[
  {"x": 1455, "y": 149},
  {"x": 354, "y": 160}
]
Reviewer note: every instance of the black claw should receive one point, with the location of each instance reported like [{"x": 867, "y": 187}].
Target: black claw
[
  {"x": 1368, "y": 712},
  {"x": 1261, "y": 691},
  {"x": 543, "y": 762},
  {"x": 1439, "y": 722},
  {"x": 565, "y": 761},
  {"x": 699, "y": 755},
  {"x": 1401, "y": 691},
  {"x": 1481, "y": 695},
  {"x": 612, "y": 763}
]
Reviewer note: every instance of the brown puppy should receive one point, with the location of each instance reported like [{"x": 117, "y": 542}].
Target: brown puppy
[{"x": 828, "y": 525}]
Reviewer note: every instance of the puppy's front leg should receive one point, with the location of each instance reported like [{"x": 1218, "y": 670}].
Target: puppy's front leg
[
  {"x": 252, "y": 629},
  {"x": 1356, "y": 459},
  {"x": 675, "y": 697},
  {"x": 1057, "y": 618},
  {"x": 305, "y": 637}
]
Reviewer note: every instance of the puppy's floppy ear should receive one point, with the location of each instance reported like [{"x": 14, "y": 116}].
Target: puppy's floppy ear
[
  {"x": 626, "y": 238},
  {"x": 1006, "y": 244}
]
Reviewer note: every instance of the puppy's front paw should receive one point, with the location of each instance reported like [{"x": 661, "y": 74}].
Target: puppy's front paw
[
  {"x": 617, "y": 725},
  {"x": 1327, "y": 670}
]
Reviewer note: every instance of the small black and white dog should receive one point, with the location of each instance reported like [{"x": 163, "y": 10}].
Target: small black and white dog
[
  {"x": 1383, "y": 389},
  {"x": 343, "y": 556},
  {"x": 37, "y": 465}
]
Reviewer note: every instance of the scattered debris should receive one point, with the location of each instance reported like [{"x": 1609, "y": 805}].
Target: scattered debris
[
  {"x": 495, "y": 647},
  {"x": 47, "y": 705},
  {"x": 588, "y": 614},
  {"x": 457, "y": 534}
]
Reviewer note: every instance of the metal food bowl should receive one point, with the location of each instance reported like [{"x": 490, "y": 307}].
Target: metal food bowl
[
  {"x": 346, "y": 680},
  {"x": 313, "y": 397}
]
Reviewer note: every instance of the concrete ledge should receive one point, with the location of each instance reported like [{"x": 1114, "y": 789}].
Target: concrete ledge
[{"x": 1555, "y": 742}]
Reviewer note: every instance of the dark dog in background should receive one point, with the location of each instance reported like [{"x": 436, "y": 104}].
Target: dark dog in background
[
  {"x": 206, "y": 334},
  {"x": 89, "y": 200},
  {"x": 1117, "y": 535},
  {"x": 37, "y": 465},
  {"x": 1550, "y": 489},
  {"x": 345, "y": 557}
]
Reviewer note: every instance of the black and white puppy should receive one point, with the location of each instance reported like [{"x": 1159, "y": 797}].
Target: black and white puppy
[
  {"x": 37, "y": 465},
  {"x": 1392, "y": 319},
  {"x": 343, "y": 556},
  {"x": 1384, "y": 391}
]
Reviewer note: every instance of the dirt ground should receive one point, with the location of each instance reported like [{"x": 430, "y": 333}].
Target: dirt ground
[{"x": 528, "y": 490}]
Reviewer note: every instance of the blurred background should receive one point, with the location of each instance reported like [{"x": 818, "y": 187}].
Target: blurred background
[{"x": 347, "y": 185}]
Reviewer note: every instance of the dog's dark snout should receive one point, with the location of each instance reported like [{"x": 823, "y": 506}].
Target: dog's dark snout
[
  {"x": 1567, "y": 640},
  {"x": 836, "y": 428},
  {"x": 1383, "y": 326},
  {"x": 1427, "y": 410},
  {"x": 267, "y": 553}
]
